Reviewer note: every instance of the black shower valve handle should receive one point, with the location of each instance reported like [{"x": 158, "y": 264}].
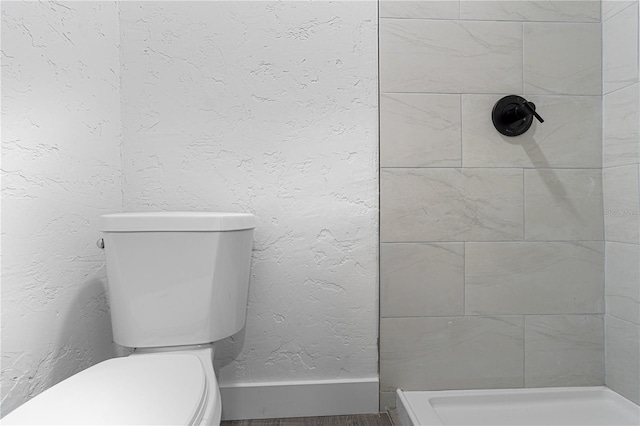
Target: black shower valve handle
[{"x": 532, "y": 109}]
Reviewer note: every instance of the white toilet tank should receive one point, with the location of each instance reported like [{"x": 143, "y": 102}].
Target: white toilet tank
[{"x": 177, "y": 278}]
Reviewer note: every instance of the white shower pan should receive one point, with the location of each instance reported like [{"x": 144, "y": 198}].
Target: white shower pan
[{"x": 545, "y": 406}]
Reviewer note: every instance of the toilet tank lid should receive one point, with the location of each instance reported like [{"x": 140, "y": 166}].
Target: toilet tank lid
[{"x": 176, "y": 221}]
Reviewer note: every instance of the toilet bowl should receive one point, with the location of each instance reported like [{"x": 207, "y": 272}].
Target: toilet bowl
[{"x": 178, "y": 282}]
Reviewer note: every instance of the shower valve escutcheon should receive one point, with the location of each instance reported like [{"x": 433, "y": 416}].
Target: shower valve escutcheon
[{"x": 513, "y": 115}]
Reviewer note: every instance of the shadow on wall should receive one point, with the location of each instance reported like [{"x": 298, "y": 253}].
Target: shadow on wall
[
  {"x": 530, "y": 146},
  {"x": 84, "y": 336},
  {"x": 548, "y": 176},
  {"x": 228, "y": 350}
]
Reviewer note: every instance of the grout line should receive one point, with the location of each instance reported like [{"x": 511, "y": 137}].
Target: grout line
[
  {"x": 500, "y": 167},
  {"x": 604, "y": 277},
  {"x": 461, "y": 99},
  {"x": 464, "y": 279},
  {"x": 499, "y": 315},
  {"x": 524, "y": 350},
  {"x": 436, "y": 242},
  {"x": 488, "y": 21},
  {"x": 522, "y": 52},
  {"x": 120, "y": 112},
  {"x": 602, "y": 81},
  {"x": 379, "y": 209},
  {"x": 428, "y": 92},
  {"x": 524, "y": 207},
  {"x": 620, "y": 242}
]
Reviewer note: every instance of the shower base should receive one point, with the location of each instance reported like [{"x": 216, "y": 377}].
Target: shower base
[{"x": 545, "y": 406}]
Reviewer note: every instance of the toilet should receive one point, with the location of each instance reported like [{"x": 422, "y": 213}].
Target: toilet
[{"x": 178, "y": 282}]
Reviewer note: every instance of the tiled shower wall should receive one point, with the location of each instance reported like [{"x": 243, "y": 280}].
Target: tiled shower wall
[
  {"x": 492, "y": 253},
  {"x": 621, "y": 147}
]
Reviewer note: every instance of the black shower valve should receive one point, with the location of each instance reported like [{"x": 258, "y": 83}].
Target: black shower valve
[{"x": 513, "y": 115}]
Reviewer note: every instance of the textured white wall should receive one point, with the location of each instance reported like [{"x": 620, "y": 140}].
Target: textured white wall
[
  {"x": 269, "y": 108},
  {"x": 60, "y": 171}
]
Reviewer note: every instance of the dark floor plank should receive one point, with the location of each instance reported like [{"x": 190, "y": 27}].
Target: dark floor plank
[
  {"x": 393, "y": 416},
  {"x": 378, "y": 419}
]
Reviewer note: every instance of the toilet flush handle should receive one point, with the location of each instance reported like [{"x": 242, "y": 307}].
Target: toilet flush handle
[{"x": 100, "y": 243}]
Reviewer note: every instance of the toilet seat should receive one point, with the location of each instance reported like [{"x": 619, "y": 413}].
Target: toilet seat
[{"x": 150, "y": 389}]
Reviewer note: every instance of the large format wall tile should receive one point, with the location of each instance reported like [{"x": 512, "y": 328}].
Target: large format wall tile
[
  {"x": 418, "y": 130},
  {"x": 421, "y": 279},
  {"x": 620, "y": 49},
  {"x": 621, "y": 123},
  {"x": 564, "y": 350},
  {"x": 450, "y": 56},
  {"x": 569, "y": 137},
  {"x": 562, "y": 58},
  {"x": 451, "y": 353},
  {"x": 450, "y": 204},
  {"x": 531, "y": 10},
  {"x": 622, "y": 356},
  {"x": 622, "y": 289},
  {"x": 563, "y": 204},
  {"x": 534, "y": 278},
  {"x": 621, "y": 203},
  {"x": 432, "y": 9}
]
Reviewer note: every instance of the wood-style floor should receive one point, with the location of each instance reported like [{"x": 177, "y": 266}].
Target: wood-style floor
[{"x": 380, "y": 419}]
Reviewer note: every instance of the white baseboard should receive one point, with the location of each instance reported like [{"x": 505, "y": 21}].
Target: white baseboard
[{"x": 299, "y": 398}]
